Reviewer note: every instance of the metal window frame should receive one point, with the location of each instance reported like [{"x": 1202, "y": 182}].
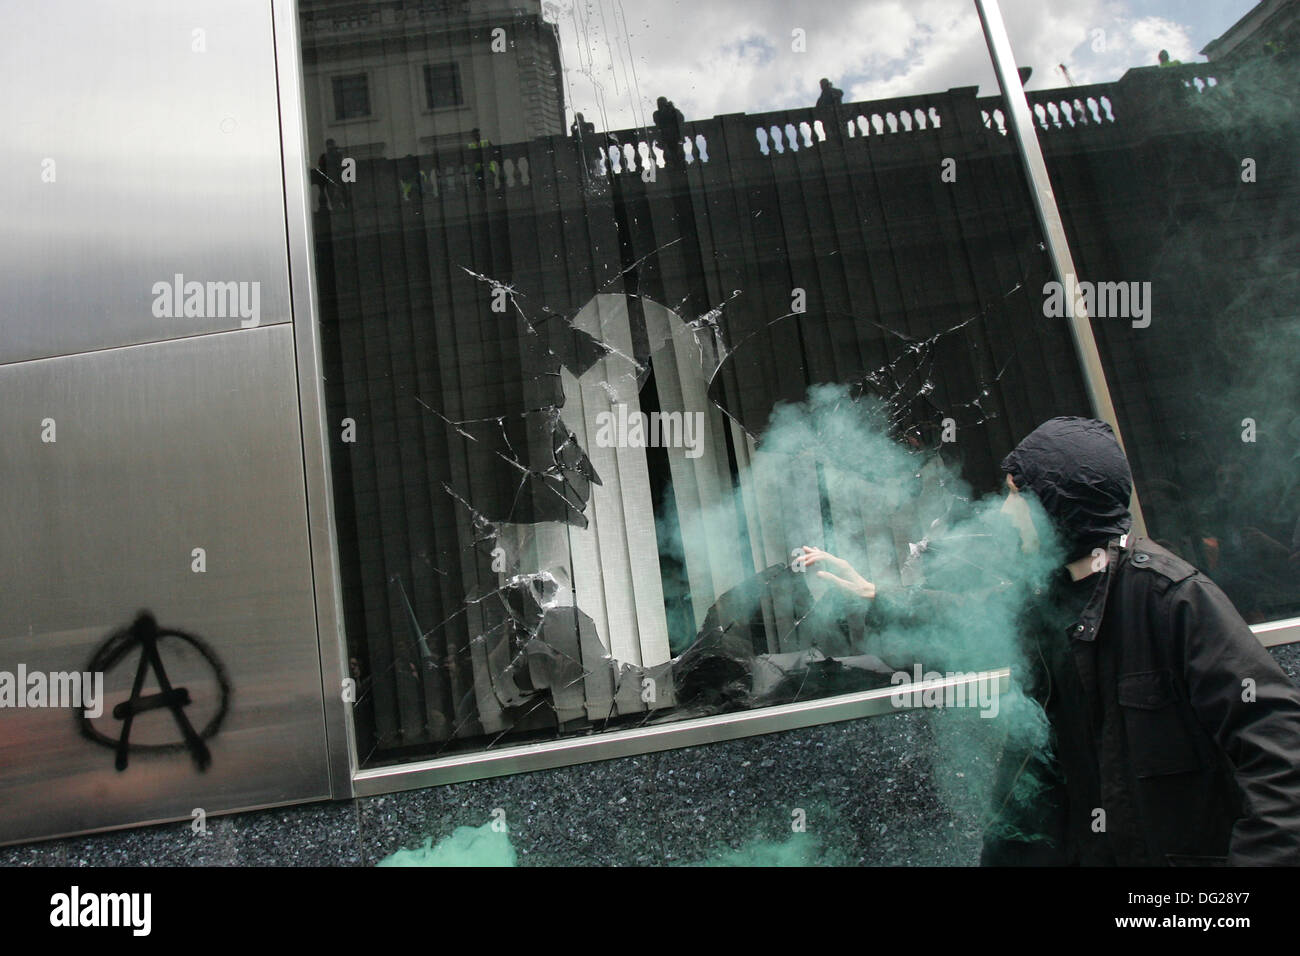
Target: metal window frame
[
  {"x": 1023, "y": 131},
  {"x": 688, "y": 733},
  {"x": 346, "y": 778},
  {"x": 340, "y": 732},
  {"x": 1276, "y": 633}
]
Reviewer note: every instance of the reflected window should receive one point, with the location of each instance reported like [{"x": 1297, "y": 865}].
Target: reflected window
[
  {"x": 442, "y": 86},
  {"x": 351, "y": 96}
]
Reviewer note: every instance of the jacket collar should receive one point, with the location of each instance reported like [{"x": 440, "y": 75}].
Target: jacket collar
[{"x": 1085, "y": 628}]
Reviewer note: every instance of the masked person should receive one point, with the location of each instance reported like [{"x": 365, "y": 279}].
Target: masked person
[{"x": 1175, "y": 734}]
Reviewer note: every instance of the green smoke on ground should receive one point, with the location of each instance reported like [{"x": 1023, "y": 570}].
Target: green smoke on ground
[
  {"x": 466, "y": 846},
  {"x": 799, "y": 849}
]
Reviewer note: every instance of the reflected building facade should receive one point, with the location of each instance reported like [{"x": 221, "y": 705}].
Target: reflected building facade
[{"x": 406, "y": 77}]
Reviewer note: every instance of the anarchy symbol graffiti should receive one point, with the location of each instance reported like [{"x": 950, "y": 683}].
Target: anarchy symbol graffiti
[{"x": 145, "y": 634}]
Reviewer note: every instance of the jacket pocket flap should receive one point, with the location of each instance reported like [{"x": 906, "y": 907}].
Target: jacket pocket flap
[{"x": 1147, "y": 690}]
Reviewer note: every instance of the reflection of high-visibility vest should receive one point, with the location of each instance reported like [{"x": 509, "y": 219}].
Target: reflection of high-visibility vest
[{"x": 480, "y": 145}]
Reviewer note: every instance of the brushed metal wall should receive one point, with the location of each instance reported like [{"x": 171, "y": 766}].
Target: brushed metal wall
[
  {"x": 143, "y": 142},
  {"x": 133, "y": 433}
]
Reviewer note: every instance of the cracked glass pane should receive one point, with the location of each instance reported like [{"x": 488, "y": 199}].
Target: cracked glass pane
[
  {"x": 604, "y": 367},
  {"x": 602, "y": 364}
]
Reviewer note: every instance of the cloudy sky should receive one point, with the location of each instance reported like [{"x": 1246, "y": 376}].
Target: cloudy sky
[{"x": 730, "y": 56}]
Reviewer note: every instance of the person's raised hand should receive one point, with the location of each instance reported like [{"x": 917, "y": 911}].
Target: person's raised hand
[{"x": 842, "y": 574}]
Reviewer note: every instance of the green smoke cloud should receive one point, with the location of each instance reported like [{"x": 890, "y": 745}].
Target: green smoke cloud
[
  {"x": 956, "y": 605},
  {"x": 466, "y": 846}
]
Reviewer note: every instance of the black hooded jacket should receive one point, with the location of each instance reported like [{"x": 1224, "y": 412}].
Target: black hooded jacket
[{"x": 1176, "y": 734}]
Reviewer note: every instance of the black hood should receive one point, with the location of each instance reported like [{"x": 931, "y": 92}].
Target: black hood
[{"x": 1078, "y": 472}]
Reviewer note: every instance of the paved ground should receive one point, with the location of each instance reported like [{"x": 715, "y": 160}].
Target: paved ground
[{"x": 902, "y": 789}]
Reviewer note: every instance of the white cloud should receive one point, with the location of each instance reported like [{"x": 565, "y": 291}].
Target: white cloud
[
  {"x": 728, "y": 56},
  {"x": 1153, "y": 34}
]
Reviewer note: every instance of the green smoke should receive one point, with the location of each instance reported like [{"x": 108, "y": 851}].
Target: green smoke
[
  {"x": 800, "y": 849},
  {"x": 466, "y": 846},
  {"x": 963, "y": 610},
  {"x": 954, "y": 606},
  {"x": 1220, "y": 359}
]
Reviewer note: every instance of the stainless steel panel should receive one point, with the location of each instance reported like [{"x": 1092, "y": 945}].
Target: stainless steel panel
[
  {"x": 315, "y": 429},
  {"x": 160, "y": 121},
  {"x": 159, "y": 449}
]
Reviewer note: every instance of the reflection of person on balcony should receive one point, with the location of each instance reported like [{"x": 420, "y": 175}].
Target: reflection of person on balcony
[
  {"x": 329, "y": 176},
  {"x": 830, "y": 96},
  {"x": 1167, "y": 713},
  {"x": 478, "y": 146},
  {"x": 828, "y": 107},
  {"x": 1165, "y": 61},
  {"x": 584, "y": 135},
  {"x": 670, "y": 120},
  {"x": 581, "y": 129}
]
